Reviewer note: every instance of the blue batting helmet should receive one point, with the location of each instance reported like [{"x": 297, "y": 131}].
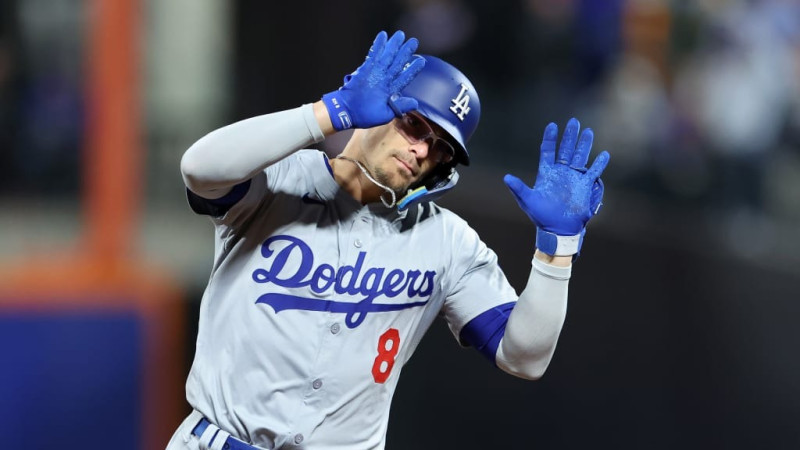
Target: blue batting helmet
[{"x": 448, "y": 98}]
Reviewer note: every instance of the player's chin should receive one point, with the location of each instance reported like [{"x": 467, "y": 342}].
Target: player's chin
[
  {"x": 399, "y": 188},
  {"x": 393, "y": 180},
  {"x": 400, "y": 184},
  {"x": 406, "y": 180},
  {"x": 400, "y": 176}
]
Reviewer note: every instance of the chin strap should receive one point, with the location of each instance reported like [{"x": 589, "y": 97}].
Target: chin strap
[{"x": 369, "y": 177}]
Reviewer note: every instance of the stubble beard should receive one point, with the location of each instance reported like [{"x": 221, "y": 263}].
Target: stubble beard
[{"x": 387, "y": 180}]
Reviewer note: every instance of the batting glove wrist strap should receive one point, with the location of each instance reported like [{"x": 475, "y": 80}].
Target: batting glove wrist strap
[
  {"x": 337, "y": 110},
  {"x": 556, "y": 245}
]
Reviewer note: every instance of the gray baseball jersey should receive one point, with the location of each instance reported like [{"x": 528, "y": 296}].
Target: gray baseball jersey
[{"x": 315, "y": 302}]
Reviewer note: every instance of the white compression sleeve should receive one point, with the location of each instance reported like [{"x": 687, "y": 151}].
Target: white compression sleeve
[
  {"x": 235, "y": 153},
  {"x": 535, "y": 322}
]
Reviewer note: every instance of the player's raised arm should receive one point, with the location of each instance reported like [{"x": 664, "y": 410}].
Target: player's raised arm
[
  {"x": 235, "y": 153},
  {"x": 217, "y": 162},
  {"x": 564, "y": 197}
]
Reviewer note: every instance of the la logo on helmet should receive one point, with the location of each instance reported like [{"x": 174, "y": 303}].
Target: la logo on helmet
[{"x": 461, "y": 103}]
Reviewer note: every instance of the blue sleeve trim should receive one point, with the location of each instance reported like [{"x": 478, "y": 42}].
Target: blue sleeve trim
[
  {"x": 485, "y": 331},
  {"x": 219, "y": 206},
  {"x": 328, "y": 166}
]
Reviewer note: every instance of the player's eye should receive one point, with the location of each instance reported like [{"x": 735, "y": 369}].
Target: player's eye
[
  {"x": 444, "y": 150},
  {"x": 416, "y": 127},
  {"x": 411, "y": 120}
]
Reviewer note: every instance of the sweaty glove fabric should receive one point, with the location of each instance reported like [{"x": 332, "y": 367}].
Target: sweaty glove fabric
[
  {"x": 566, "y": 194},
  {"x": 370, "y": 95}
]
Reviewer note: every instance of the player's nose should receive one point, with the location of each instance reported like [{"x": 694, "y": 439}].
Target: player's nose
[{"x": 420, "y": 149}]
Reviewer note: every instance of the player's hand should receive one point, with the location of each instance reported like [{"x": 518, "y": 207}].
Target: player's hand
[
  {"x": 370, "y": 95},
  {"x": 566, "y": 194}
]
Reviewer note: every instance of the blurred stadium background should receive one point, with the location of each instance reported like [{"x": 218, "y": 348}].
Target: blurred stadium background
[{"x": 682, "y": 324}]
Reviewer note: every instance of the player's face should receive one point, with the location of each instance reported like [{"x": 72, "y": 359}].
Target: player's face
[
  {"x": 405, "y": 150},
  {"x": 416, "y": 129}
]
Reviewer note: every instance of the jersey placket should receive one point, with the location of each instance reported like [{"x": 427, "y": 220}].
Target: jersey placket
[{"x": 354, "y": 237}]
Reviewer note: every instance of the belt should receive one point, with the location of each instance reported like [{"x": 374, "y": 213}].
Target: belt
[{"x": 208, "y": 432}]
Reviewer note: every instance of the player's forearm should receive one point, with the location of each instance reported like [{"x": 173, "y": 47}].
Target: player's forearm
[
  {"x": 535, "y": 322},
  {"x": 235, "y": 153}
]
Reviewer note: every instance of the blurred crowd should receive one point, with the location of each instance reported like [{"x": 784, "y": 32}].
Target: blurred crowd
[
  {"x": 42, "y": 112},
  {"x": 699, "y": 101}
]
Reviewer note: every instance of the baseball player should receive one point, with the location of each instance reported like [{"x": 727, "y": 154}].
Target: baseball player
[{"x": 327, "y": 272}]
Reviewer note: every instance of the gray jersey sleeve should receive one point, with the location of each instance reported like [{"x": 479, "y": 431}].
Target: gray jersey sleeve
[
  {"x": 476, "y": 281},
  {"x": 264, "y": 186}
]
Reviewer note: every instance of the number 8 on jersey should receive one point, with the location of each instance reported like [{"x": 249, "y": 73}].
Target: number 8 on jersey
[{"x": 388, "y": 346}]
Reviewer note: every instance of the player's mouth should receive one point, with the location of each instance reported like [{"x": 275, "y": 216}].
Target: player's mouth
[{"x": 406, "y": 167}]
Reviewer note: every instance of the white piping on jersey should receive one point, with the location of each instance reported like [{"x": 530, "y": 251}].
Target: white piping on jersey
[{"x": 366, "y": 174}]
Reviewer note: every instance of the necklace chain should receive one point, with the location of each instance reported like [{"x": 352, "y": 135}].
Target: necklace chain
[{"x": 369, "y": 177}]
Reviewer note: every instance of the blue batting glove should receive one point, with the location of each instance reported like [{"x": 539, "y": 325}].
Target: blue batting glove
[
  {"x": 566, "y": 194},
  {"x": 370, "y": 95}
]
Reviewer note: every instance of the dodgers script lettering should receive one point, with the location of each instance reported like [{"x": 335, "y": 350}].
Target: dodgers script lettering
[{"x": 352, "y": 280}]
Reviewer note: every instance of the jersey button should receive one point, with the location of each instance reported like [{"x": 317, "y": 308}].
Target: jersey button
[
  {"x": 335, "y": 328},
  {"x": 298, "y": 438},
  {"x": 317, "y": 384},
  {"x": 357, "y": 243}
]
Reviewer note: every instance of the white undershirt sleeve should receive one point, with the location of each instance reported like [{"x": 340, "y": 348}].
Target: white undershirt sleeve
[
  {"x": 235, "y": 153},
  {"x": 535, "y": 322}
]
